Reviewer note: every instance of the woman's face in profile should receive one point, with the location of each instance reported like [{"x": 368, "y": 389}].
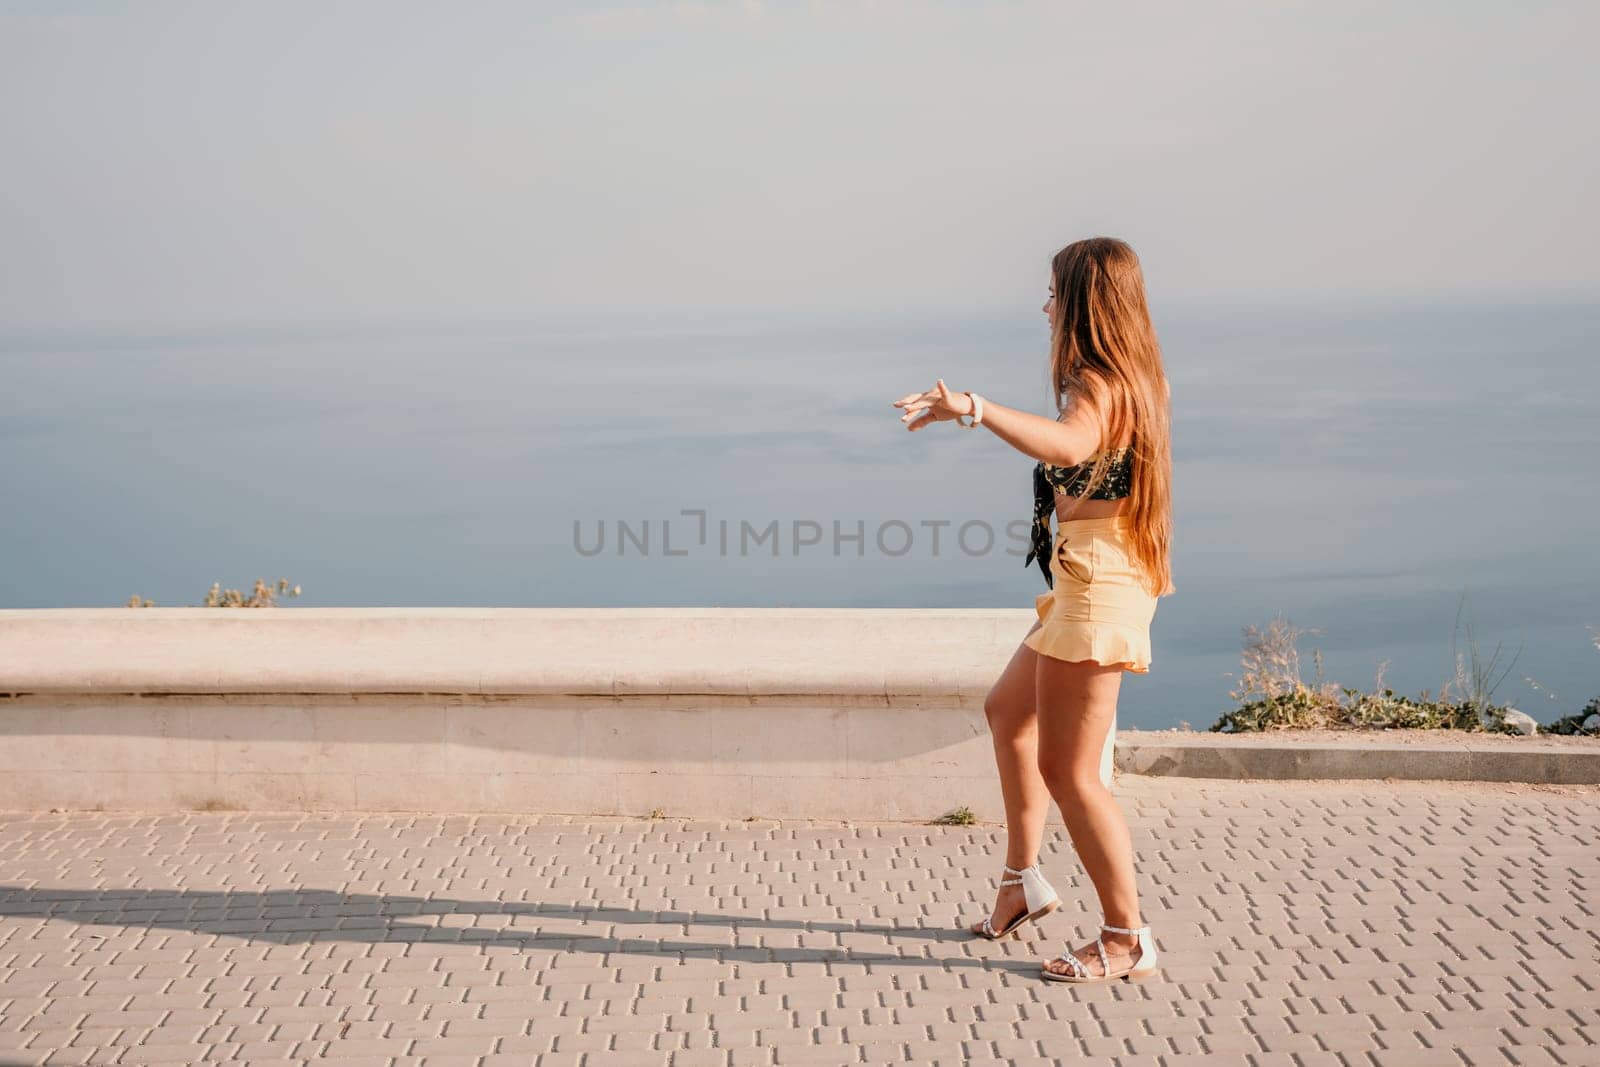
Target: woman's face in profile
[{"x": 1050, "y": 301}]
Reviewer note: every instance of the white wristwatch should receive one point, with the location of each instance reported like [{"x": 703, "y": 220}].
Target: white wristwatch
[{"x": 977, "y": 412}]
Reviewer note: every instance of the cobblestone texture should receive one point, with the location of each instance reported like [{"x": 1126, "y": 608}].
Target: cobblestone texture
[{"x": 1299, "y": 923}]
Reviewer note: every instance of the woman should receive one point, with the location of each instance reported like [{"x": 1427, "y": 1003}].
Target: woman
[{"x": 1105, "y": 467}]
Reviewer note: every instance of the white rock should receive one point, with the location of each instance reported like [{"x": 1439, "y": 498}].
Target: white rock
[
  {"x": 1592, "y": 722},
  {"x": 1521, "y": 722}
]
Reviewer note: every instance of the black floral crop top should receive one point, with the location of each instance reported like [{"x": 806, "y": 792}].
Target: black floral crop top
[{"x": 1049, "y": 479}]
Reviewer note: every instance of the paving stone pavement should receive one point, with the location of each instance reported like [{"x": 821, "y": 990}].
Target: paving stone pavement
[{"x": 1299, "y": 923}]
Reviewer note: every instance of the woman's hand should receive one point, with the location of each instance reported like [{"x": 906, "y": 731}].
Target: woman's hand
[{"x": 938, "y": 404}]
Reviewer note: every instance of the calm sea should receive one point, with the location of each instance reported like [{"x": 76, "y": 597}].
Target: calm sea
[{"x": 1355, "y": 468}]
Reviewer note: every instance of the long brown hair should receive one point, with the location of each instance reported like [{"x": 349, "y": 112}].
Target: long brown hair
[{"x": 1104, "y": 352}]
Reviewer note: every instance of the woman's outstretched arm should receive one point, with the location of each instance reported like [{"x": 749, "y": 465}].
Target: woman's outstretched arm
[{"x": 1064, "y": 443}]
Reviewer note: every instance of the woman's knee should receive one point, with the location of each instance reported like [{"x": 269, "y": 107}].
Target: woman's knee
[
  {"x": 1071, "y": 785},
  {"x": 1006, "y": 714}
]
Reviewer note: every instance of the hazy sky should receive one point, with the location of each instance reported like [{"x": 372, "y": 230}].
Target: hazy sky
[{"x": 270, "y": 161}]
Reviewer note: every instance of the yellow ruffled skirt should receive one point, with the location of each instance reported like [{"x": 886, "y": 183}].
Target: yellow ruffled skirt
[{"x": 1097, "y": 609}]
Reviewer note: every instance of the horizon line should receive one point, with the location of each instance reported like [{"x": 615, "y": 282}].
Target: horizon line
[{"x": 890, "y": 311}]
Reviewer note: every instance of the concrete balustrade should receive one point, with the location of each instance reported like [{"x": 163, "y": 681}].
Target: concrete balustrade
[{"x": 716, "y": 712}]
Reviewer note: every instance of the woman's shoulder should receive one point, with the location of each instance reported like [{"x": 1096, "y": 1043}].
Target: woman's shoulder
[{"x": 1082, "y": 398}]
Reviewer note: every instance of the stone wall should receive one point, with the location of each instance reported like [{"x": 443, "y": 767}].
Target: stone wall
[{"x": 725, "y": 713}]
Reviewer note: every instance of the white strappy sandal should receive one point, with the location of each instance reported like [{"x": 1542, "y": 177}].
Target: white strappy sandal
[
  {"x": 1040, "y": 897},
  {"x": 1140, "y": 967}
]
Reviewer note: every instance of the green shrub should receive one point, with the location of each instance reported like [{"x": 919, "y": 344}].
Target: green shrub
[
  {"x": 1573, "y": 724},
  {"x": 1307, "y": 709}
]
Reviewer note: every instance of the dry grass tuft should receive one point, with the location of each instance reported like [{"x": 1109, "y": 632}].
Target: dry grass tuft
[{"x": 262, "y": 596}]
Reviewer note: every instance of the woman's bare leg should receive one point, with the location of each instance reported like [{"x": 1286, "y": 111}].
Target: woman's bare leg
[
  {"x": 1077, "y": 703},
  {"x": 1014, "y": 727}
]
